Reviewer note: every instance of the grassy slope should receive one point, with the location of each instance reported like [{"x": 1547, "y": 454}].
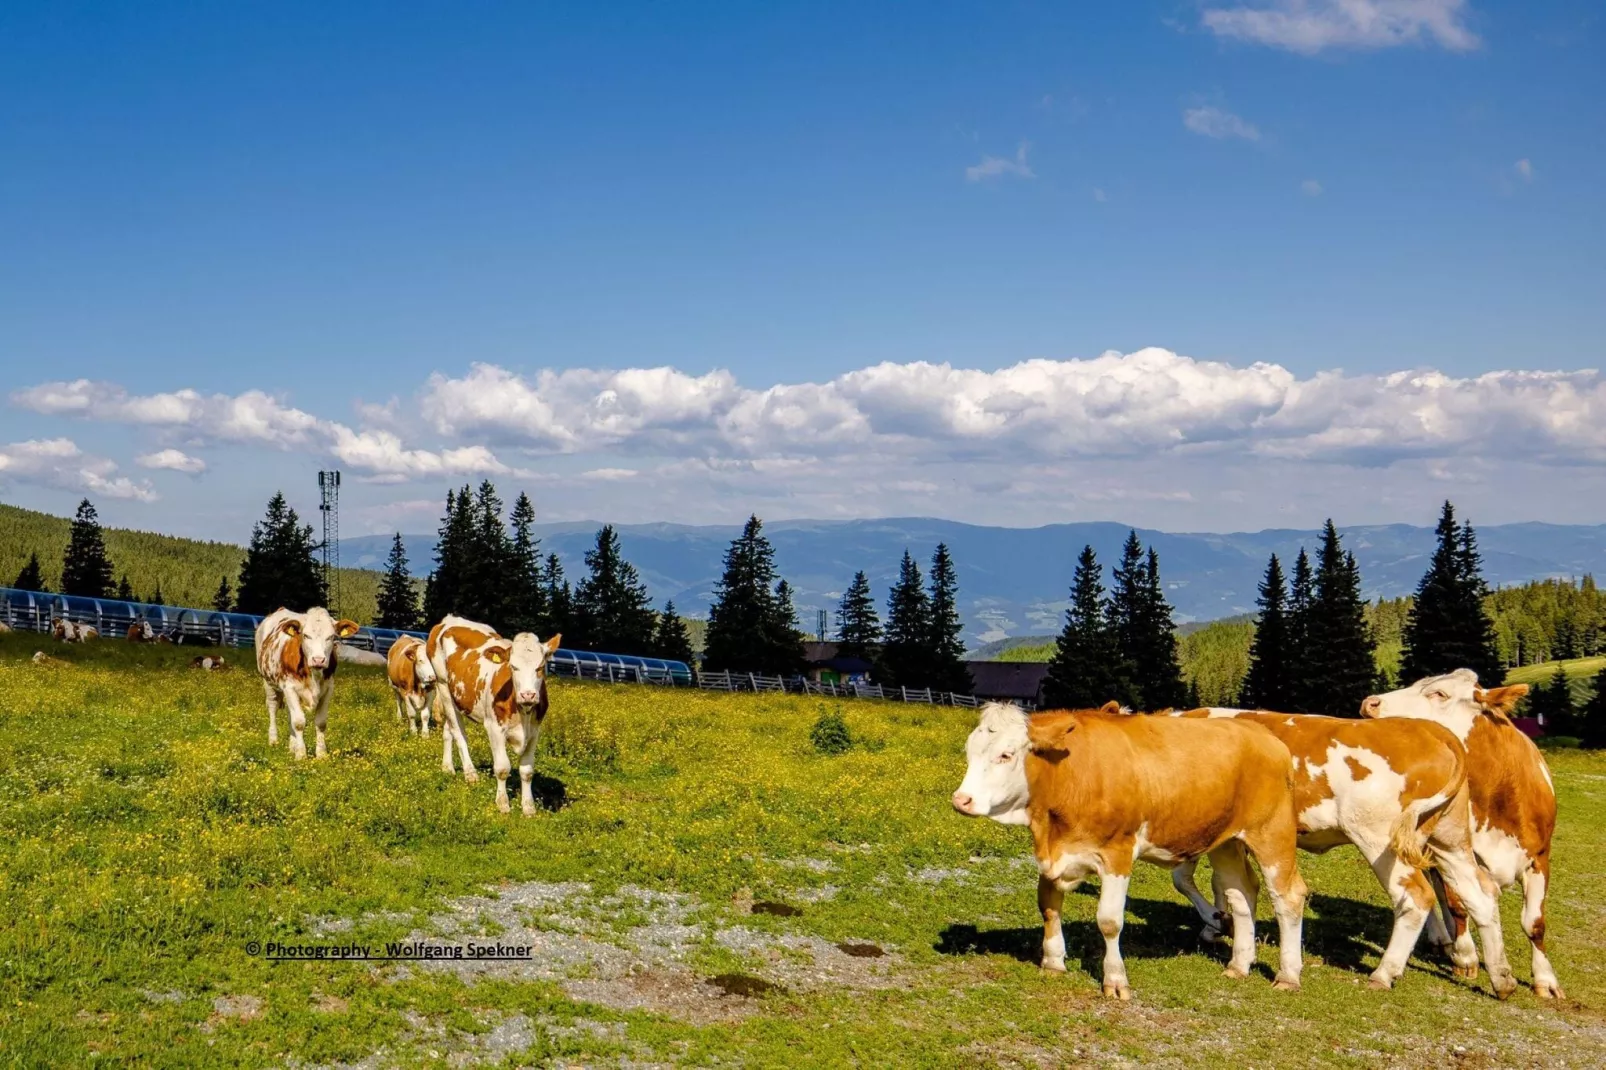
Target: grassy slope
[
  {"x": 1580, "y": 675},
  {"x": 147, "y": 831},
  {"x": 187, "y": 569}
]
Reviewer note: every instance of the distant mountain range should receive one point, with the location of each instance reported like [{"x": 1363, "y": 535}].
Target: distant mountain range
[{"x": 1015, "y": 581}]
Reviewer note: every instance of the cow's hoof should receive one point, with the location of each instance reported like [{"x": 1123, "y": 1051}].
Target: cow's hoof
[
  {"x": 273, "y": 739},
  {"x": 527, "y": 811},
  {"x": 1117, "y": 990},
  {"x": 1053, "y": 965},
  {"x": 502, "y": 805},
  {"x": 1547, "y": 990},
  {"x": 1379, "y": 983},
  {"x": 1466, "y": 973},
  {"x": 1285, "y": 984},
  {"x": 1235, "y": 973},
  {"x": 1504, "y": 984},
  {"x": 471, "y": 776}
]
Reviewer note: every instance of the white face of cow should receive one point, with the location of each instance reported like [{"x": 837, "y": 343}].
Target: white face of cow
[
  {"x": 528, "y": 662},
  {"x": 1454, "y": 700},
  {"x": 995, "y": 774},
  {"x": 423, "y": 671},
  {"x": 318, "y": 633}
]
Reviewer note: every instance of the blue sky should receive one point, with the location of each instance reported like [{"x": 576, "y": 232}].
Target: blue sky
[{"x": 341, "y": 205}]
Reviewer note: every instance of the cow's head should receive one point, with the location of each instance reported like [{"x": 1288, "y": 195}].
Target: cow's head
[
  {"x": 1454, "y": 700},
  {"x": 318, "y": 632},
  {"x": 995, "y": 771},
  {"x": 423, "y": 668},
  {"x": 529, "y": 664}
]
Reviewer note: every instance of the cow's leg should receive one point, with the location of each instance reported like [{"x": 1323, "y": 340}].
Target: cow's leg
[
  {"x": 1050, "y": 901},
  {"x": 421, "y": 708},
  {"x": 320, "y": 718},
  {"x": 1474, "y": 893},
  {"x": 1413, "y": 900},
  {"x": 1182, "y": 879},
  {"x": 1239, "y": 891},
  {"x": 273, "y": 713},
  {"x": 499, "y": 763},
  {"x": 1436, "y": 930},
  {"x": 527, "y": 773},
  {"x": 298, "y": 721},
  {"x": 1535, "y": 886},
  {"x": 1111, "y": 918},
  {"x": 1274, "y": 848}
]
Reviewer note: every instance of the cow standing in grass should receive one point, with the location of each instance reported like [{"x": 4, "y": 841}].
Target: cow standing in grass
[
  {"x": 1513, "y": 799},
  {"x": 1101, "y": 790},
  {"x": 296, "y": 660},
  {"x": 497, "y": 682},
  {"x": 412, "y": 680},
  {"x": 1398, "y": 791}
]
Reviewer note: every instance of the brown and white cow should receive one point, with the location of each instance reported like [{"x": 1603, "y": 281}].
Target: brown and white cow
[
  {"x": 1513, "y": 799},
  {"x": 497, "y": 682},
  {"x": 141, "y": 632},
  {"x": 1398, "y": 791},
  {"x": 71, "y": 631},
  {"x": 208, "y": 662},
  {"x": 412, "y": 680},
  {"x": 1101, "y": 791},
  {"x": 296, "y": 660}
]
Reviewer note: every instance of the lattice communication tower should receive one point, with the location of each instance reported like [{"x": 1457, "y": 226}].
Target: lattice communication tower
[{"x": 329, "y": 506}]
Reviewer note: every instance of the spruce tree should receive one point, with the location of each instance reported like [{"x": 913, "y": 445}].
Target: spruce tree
[
  {"x": 446, "y": 590},
  {"x": 1338, "y": 643},
  {"x": 743, "y": 622},
  {"x": 1448, "y": 627},
  {"x": 223, "y": 597},
  {"x": 125, "y": 590},
  {"x": 782, "y": 634},
  {"x": 905, "y": 653},
  {"x": 1552, "y": 703},
  {"x": 670, "y": 640},
  {"x": 85, "y": 568},
  {"x": 156, "y": 598},
  {"x": 526, "y": 597},
  {"x": 1082, "y": 672},
  {"x": 1268, "y": 685},
  {"x": 1158, "y": 676},
  {"x": 1592, "y": 729},
  {"x": 557, "y": 600},
  {"x": 1301, "y": 599},
  {"x": 486, "y": 566},
  {"x": 611, "y": 611},
  {"x": 30, "y": 578},
  {"x": 1124, "y": 613},
  {"x": 280, "y": 568},
  {"x": 944, "y": 646},
  {"x": 858, "y": 625},
  {"x": 398, "y": 601}
]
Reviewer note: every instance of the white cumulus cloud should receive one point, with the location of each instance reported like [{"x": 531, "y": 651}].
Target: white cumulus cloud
[
  {"x": 59, "y": 463},
  {"x": 1525, "y": 170},
  {"x": 1312, "y": 26},
  {"x": 999, "y": 166},
  {"x": 174, "y": 460},
  {"x": 1214, "y": 122}
]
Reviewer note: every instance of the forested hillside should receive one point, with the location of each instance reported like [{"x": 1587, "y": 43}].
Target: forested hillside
[{"x": 187, "y": 570}]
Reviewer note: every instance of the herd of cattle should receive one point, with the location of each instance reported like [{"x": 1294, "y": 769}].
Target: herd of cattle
[{"x": 1447, "y": 800}]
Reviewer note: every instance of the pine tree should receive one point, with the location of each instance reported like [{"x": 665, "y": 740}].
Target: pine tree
[
  {"x": 1552, "y": 703},
  {"x": 858, "y": 625},
  {"x": 1082, "y": 673},
  {"x": 484, "y": 596},
  {"x": 557, "y": 600},
  {"x": 1301, "y": 599},
  {"x": 1448, "y": 627},
  {"x": 782, "y": 635},
  {"x": 223, "y": 598},
  {"x": 905, "y": 654},
  {"x": 743, "y": 622},
  {"x": 1592, "y": 729},
  {"x": 125, "y": 590},
  {"x": 1124, "y": 614},
  {"x": 85, "y": 568},
  {"x": 1268, "y": 685},
  {"x": 611, "y": 610},
  {"x": 670, "y": 640},
  {"x": 944, "y": 646},
  {"x": 1338, "y": 644},
  {"x": 1158, "y": 675},
  {"x": 526, "y": 597},
  {"x": 398, "y": 601},
  {"x": 446, "y": 590},
  {"x": 280, "y": 568},
  {"x": 30, "y": 578},
  {"x": 156, "y": 598}
]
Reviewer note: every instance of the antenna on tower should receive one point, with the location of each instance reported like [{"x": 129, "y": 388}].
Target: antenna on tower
[
  {"x": 329, "y": 506},
  {"x": 825, "y": 618}
]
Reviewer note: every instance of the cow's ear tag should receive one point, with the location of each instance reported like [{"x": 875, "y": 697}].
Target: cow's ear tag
[{"x": 292, "y": 628}]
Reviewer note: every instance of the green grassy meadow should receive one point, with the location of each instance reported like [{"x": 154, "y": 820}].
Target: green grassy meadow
[{"x": 701, "y": 888}]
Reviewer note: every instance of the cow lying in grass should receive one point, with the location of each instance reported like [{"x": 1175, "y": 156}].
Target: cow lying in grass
[
  {"x": 1397, "y": 791},
  {"x": 1101, "y": 790},
  {"x": 497, "y": 682},
  {"x": 296, "y": 659},
  {"x": 412, "y": 681},
  {"x": 70, "y": 631},
  {"x": 1513, "y": 799}
]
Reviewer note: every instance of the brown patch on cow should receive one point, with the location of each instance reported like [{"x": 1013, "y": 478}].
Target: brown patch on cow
[
  {"x": 291, "y": 662},
  {"x": 401, "y": 664},
  {"x": 1357, "y": 771},
  {"x": 1509, "y": 790},
  {"x": 347, "y": 628},
  {"x": 502, "y": 703}
]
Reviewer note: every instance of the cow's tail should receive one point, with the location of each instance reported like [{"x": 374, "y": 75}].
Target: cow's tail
[{"x": 1408, "y": 838}]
